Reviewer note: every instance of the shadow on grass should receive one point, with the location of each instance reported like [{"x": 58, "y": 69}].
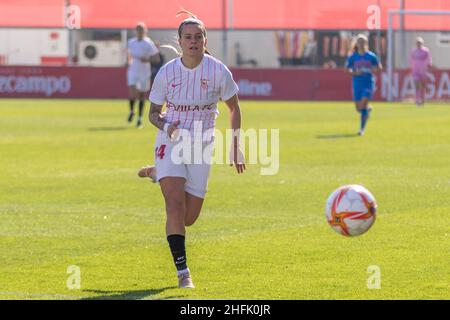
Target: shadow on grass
[
  {"x": 127, "y": 294},
  {"x": 338, "y": 136},
  {"x": 109, "y": 128}
]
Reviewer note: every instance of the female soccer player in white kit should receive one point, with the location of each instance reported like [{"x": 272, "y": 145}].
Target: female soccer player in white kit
[
  {"x": 141, "y": 52},
  {"x": 190, "y": 86}
]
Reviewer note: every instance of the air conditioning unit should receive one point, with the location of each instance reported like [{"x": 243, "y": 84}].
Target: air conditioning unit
[{"x": 101, "y": 54}]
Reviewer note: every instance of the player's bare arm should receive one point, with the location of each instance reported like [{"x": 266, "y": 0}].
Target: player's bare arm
[
  {"x": 155, "y": 59},
  {"x": 354, "y": 72},
  {"x": 155, "y": 116},
  {"x": 158, "y": 120},
  {"x": 129, "y": 58},
  {"x": 236, "y": 156},
  {"x": 377, "y": 69}
]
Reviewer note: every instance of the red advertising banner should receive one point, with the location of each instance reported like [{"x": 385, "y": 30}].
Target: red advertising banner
[
  {"x": 255, "y": 84},
  {"x": 329, "y": 85},
  {"x": 62, "y": 82},
  {"x": 293, "y": 84}
]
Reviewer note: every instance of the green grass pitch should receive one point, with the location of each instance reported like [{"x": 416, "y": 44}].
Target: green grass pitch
[{"x": 70, "y": 195}]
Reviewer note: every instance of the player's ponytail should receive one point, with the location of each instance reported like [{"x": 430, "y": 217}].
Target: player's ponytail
[{"x": 186, "y": 12}]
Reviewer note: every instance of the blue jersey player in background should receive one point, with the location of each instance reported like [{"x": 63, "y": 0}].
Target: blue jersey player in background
[{"x": 362, "y": 65}]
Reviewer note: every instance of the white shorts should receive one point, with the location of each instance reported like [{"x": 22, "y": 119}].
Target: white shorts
[
  {"x": 139, "y": 79},
  {"x": 196, "y": 175}
]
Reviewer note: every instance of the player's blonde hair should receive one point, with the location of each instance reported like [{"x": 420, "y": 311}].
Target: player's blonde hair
[
  {"x": 141, "y": 25},
  {"x": 355, "y": 42}
]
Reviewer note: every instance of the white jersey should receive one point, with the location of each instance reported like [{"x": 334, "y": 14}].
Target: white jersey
[
  {"x": 144, "y": 48},
  {"x": 192, "y": 94}
]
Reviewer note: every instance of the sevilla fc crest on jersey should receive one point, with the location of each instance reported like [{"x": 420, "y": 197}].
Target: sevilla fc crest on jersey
[{"x": 204, "y": 83}]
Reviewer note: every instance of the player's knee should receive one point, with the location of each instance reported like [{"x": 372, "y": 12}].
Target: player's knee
[
  {"x": 175, "y": 217},
  {"x": 363, "y": 104},
  {"x": 176, "y": 206},
  {"x": 190, "y": 220}
]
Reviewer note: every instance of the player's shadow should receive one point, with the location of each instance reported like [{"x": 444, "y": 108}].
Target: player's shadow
[
  {"x": 338, "y": 136},
  {"x": 108, "y": 129},
  {"x": 127, "y": 294}
]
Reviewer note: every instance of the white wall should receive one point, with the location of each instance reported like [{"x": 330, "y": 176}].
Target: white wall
[
  {"x": 258, "y": 45},
  {"x": 27, "y": 46},
  {"x": 440, "y": 52}
]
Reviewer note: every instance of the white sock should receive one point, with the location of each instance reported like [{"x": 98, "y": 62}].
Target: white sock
[{"x": 184, "y": 271}]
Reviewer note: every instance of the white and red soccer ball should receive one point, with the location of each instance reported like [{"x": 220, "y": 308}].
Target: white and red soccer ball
[{"x": 351, "y": 210}]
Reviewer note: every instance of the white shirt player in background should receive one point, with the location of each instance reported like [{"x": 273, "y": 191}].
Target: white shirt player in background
[
  {"x": 190, "y": 86},
  {"x": 141, "y": 53}
]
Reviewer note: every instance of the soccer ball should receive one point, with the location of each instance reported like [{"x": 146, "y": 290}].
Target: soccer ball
[{"x": 351, "y": 210}]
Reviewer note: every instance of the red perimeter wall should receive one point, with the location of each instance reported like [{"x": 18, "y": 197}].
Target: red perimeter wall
[{"x": 258, "y": 84}]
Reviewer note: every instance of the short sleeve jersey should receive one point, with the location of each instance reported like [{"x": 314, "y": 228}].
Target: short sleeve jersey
[
  {"x": 191, "y": 95},
  {"x": 364, "y": 63},
  {"x": 420, "y": 59},
  {"x": 144, "y": 48}
]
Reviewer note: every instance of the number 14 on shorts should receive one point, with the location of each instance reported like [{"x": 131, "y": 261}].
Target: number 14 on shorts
[{"x": 160, "y": 151}]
